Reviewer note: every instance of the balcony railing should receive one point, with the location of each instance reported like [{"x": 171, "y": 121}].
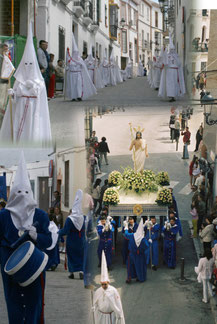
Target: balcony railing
[
  {"x": 89, "y": 12},
  {"x": 80, "y": 3},
  {"x": 200, "y": 47}
]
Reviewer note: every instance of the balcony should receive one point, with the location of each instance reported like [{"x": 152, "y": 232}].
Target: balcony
[
  {"x": 200, "y": 47},
  {"x": 79, "y": 8},
  {"x": 88, "y": 16},
  {"x": 66, "y": 1},
  {"x": 94, "y": 26}
]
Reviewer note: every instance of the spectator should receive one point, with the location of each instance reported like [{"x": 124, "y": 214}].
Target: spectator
[
  {"x": 43, "y": 60},
  {"x": 200, "y": 179},
  {"x": 186, "y": 140},
  {"x": 199, "y": 137},
  {"x": 59, "y": 70},
  {"x": 172, "y": 126},
  {"x": 52, "y": 77},
  {"x": 191, "y": 168},
  {"x": 204, "y": 272},
  {"x": 202, "y": 81},
  {"x": 202, "y": 94},
  {"x": 103, "y": 150},
  {"x": 196, "y": 171},
  {"x": 103, "y": 189},
  {"x": 194, "y": 215},
  {"x": 207, "y": 233},
  {"x": 91, "y": 161},
  {"x": 96, "y": 195},
  {"x": 201, "y": 211},
  {"x": 56, "y": 201}
]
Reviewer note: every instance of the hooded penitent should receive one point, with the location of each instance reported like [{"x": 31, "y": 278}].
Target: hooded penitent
[
  {"x": 21, "y": 203},
  {"x": 29, "y": 119},
  {"x": 139, "y": 235},
  {"x": 78, "y": 76},
  {"x": 104, "y": 269},
  {"x": 76, "y": 215}
]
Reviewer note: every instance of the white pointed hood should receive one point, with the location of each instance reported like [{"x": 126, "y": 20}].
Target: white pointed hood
[
  {"x": 76, "y": 215},
  {"x": 139, "y": 235},
  {"x": 171, "y": 45},
  {"x": 28, "y": 68},
  {"x": 21, "y": 203},
  {"x": 75, "y": 51},
  {"x": 104, "y": 269}
]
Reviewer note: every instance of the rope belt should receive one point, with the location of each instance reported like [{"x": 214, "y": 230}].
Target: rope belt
[
  {"x": 75, "y": 71},
  {"x": 106, "y": 313},
  {"x": 22, "y": 122}
]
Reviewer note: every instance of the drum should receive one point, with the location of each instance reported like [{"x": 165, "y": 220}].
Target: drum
[{"x": 26, "y": 263}]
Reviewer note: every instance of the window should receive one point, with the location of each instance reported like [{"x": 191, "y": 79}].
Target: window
[
  {"x": 32, "y": 183},
  {"x": 203, "y": 34},
  {"x": 203, "y": 66},
  {"x": 148, "y": 13},
  {"x": 66, "y": 201},
  {"x": 61, "y": 43},
  {"x": 100, "y": 52},
  {"x": 106, "y": 16},
  {"x": 136, "y": 50},
  {"x": 148, "y": 37},
  {"x": 98, "y": 11},
  {"x": 134, "y": 18},
  {"x": 124, "y": 41},
  {"x": 142, "y": 9},
  {"x": 130, "y": 51},
  {"x": 204, "y": 13},
  {"x": 143, "y": 35},
  {"x": 84, "y": 48},
  {"x": 193, "y": 67},
  {"x": 180, "y": 3},
  {"x": 156, "y": 19},
  {"x": 113, "y": 21},
  {"x": 123, "y": 12}
]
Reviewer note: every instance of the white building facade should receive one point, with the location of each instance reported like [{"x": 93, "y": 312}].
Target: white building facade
[{"x": 94, "y": 23}]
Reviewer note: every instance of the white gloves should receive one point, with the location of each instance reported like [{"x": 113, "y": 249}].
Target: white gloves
[
  {"x": 125, "y": 223},
  {"x": 10, "y": 92},
  {"x": 109, "y": 218},
  {"x": 150, "y": 241},
  {"x": 168, "y": 225},
  {"x": 148, "y": 224},
  {"x": 33, "y": 233}
]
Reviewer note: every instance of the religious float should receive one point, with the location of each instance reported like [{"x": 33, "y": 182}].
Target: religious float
[{"x": 138, "y": 193}]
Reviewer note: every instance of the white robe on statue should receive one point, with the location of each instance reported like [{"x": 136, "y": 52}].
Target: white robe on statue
[
  {"x": 98, "y": 76},
  {"x": 107, "y": 306},
  {"x": 139, "y": 157},
  {"x": 172, "y": 80},
  {"x": 119, "y": 78},
  {"x": 150, "y": 74},
  {"x": 105, "y": 72},
  {"x": 129, "y": 70}
]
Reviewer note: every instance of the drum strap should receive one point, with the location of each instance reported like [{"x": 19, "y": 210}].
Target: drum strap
[{"x": 42, "y": 288}]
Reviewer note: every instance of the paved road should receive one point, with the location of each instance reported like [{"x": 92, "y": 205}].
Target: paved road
[{"x": 131, "y": 95}]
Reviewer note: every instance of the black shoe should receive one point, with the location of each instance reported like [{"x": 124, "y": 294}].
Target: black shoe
[
  {"x": 81, "y": 275},
  {"x": 71, "y": 276},
  {"x": 110, "y": 268},
  {"x": 172, "y": 99},
  {"x": 154, "y": 268},
  {"x": 128, "y": 281},
  {"x": 73, "y": 99},
  {"x": 53, "y": 267},
  {"x": 99, "y": 265},
  {"x": 79, "y": 99}
]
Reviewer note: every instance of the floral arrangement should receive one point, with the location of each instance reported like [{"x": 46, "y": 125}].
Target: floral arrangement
[
  {"x": 163, "y": 179},
  {"x": 164, "y": 197},
  {"x": 111, "y": 196},
  {"x": 139, "y": 182},
  {"x": 115, "y": 178}
]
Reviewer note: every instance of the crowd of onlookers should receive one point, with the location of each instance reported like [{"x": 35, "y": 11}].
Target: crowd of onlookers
[
  {"x": 51, "y": 74},
  {"x": 204, "y": 220}
]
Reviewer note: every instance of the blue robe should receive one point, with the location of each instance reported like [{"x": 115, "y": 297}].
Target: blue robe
[
  {"x": 54, "y": 257},
  {"x": 170, "y": 246},
  {"x": 105, "y": 243},
  {"x": 75, "y": 244},
  {"x": 155, "y": 231},
  {"x": 138, "y": 258},
  {"x": 125, "y": 248},
  {"x": 16, "y": 296}
]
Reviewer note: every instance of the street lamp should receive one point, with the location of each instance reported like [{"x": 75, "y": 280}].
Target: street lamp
[
  {"x": 122, "y": 23},
  {"x": 208, "y": 102},
  {"x": 163, "y": 4}
]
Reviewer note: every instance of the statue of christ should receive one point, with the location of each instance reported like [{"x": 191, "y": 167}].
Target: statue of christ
[{"x": 140, "y": 152}]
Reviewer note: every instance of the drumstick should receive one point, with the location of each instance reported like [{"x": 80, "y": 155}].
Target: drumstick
[{"x": 21, "y": 238}]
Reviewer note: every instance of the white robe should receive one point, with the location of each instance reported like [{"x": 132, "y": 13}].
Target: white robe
[
  {"x": 74, "y": 83},
  {"x": 139, "y": 157},
  {"x": 129, "y": 70},
  {"x": 119, "y": 78},
  {"x": 112, "y": 70},
  {"x": 30, "y": 114},
  {"x": 140, "y": 70},
  {"x": 156, "y": 74},
  {"x": 107, "y": 306},
  {"x": 98, "y": 76},
  {"x": 105, "y": 72},
  {"x": 172, "y": 80},
  {"x": 150, "y": 74}
]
